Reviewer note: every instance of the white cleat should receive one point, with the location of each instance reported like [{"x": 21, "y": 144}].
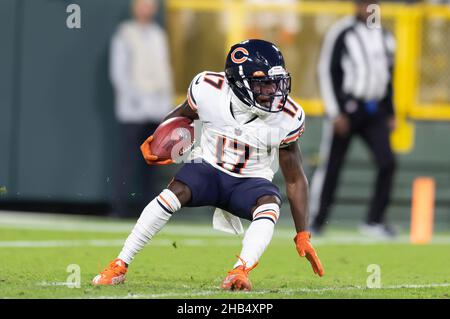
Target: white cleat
[{"x": 379, "y": 231}]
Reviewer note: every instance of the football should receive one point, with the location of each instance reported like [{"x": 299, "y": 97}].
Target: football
[{"x": 173, "y": 138}]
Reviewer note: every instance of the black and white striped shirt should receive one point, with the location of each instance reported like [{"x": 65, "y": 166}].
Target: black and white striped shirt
[{"x": 356, "y": 62}]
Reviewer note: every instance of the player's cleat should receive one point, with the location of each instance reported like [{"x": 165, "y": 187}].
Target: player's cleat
[
  {"x": 114, "y": 274},
  {"x": 379, "y": 231},
  {"x": 237, "y": 278}
]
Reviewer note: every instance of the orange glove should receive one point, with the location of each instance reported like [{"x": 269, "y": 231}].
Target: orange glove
[
  {"x": 151, "y": 159},
  {"x": 305, "y": 248}
]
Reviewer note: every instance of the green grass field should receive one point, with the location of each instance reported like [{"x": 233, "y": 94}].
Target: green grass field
[{"x": 189, "y": 261}]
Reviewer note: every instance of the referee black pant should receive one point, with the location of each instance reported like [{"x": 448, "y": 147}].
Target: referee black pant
[
  {"x": 374, "y": 131},
  {"x": 134, "y": 179}
]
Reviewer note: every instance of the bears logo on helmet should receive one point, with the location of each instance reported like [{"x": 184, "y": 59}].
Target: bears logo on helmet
[{"x": 242, "y": 59}]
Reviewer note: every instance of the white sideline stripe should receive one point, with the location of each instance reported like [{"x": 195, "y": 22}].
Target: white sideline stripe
[
  {"x": 59, "y": 243},
  {"x": 64, "y": 223},
  {"x": 184, "y": 242},
  {"x": 60, "y": 223},
  {"x": 18, "y": 220},
  {"x": 263, "y": 292},
  {"x": 112, "y": 243}
]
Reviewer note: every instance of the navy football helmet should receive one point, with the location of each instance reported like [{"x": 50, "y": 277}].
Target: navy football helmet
[{"x": 256, "y": 73}]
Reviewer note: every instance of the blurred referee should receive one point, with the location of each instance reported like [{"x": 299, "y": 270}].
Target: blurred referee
[{"x": 355, "y": 74}]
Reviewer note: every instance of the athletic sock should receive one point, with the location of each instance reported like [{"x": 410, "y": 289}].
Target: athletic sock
[
  {"x": 153, "y": 218},
  {"x": 259, "y": 234}
]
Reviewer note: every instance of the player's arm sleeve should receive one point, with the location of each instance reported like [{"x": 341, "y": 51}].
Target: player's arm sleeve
[
  {"x": 388, "y": 101},
  {"x": 296, "y": 132},
  {"x": 193, "y": 93}
]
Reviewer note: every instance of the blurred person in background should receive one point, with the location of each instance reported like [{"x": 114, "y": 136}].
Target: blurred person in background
[
  {"x": 355, "y": 75},
  {"x": 141, "y": 76}
]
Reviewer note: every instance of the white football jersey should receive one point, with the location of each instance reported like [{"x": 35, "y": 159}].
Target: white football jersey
[{"x": 240, "y": 150}]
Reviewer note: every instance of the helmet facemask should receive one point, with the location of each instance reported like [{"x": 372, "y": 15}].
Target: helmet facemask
[{"x": 268, "y": 93}]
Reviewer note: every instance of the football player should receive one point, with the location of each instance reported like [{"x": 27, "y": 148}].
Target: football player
[{"x": 248, "y": 121}]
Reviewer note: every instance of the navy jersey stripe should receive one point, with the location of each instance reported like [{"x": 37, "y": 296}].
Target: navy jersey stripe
[
  {"x": 192, "y": 95},
  {"x": 296, "y": 130},
  {"x": 216, "y": 74}
]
